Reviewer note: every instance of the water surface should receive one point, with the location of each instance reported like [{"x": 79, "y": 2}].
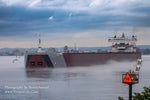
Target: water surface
[{"x": 101, "y": 82}]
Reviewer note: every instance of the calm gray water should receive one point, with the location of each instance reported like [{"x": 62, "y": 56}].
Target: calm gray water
[{"x": 101, "y": 82}]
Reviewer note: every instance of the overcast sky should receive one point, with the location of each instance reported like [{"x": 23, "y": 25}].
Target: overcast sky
[{"x": 64, "y": 22}]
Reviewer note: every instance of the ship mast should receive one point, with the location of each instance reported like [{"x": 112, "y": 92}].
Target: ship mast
[
  {"x": 39, "y": 46},
  {"x": 39, "y": 42}
]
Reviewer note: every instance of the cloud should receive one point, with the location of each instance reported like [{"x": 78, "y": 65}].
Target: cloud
[
  {"x": 75, "y": 18},
  {"x": 22, "y": 21},
  {"x": 96, "y": 3},
  {"x": 34, "y": 2},
  {"x": 117, "y": 7},
  {"x": 50, "y": 18},
  {"x": 29, "y": 3}
]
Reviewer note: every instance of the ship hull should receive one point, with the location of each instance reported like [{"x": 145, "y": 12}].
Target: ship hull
[
  {"x": 76, "y": 59},
  {"x": 89, "y": 59}
]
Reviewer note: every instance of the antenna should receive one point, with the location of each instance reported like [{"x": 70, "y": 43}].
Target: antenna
[
  {"x": 39, "y": 41},
  {"x": 40, "y": 48},
  {"x": 123, "y": 36}
]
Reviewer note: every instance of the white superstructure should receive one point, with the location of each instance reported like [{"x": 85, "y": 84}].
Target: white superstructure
[{"x": 123, "y": 43}]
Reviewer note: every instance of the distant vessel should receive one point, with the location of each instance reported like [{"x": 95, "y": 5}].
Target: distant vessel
[{"x": 123, "y": 49}]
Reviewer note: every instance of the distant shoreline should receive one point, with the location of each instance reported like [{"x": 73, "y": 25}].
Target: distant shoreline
[{"x": 145, "y": 50}]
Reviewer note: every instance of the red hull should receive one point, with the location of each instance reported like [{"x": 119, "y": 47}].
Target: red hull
[
  {"x": 77, "y": 59},
  {"x": 87, "y": 59}
]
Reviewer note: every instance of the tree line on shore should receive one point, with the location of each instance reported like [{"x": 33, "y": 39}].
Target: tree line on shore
[{"x": 145, "y": 95}]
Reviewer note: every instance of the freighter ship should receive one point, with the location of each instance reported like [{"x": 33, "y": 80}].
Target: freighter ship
[{"x": 123, "y": 49}]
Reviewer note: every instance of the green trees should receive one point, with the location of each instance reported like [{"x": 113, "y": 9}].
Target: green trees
[
  {"x": 140, "y": 96},
  {"x": 144, "y": 95},
  {"x": 120, "y": 98}
]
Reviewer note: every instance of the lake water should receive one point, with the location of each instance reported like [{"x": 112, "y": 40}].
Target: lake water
[{"x": 101, "y": 82}]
